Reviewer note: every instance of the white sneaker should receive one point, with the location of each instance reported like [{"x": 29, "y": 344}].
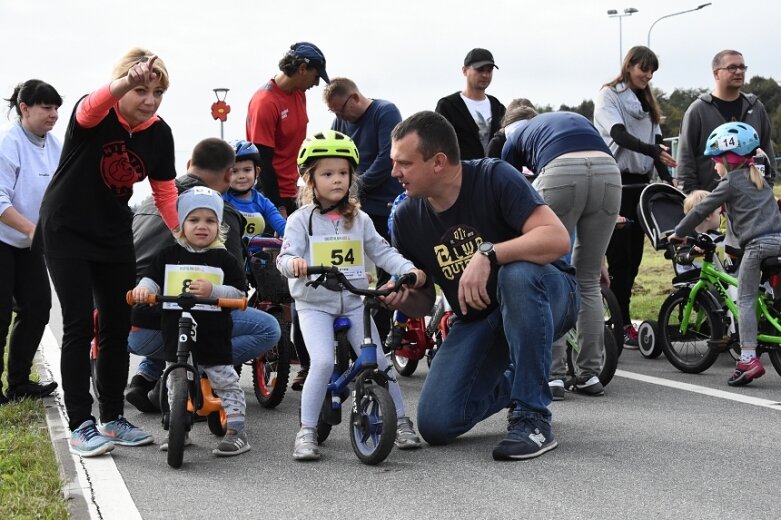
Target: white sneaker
[{"x": 306, "y": 445}]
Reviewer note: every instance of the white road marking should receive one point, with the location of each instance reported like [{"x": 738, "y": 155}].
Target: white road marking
[
  {"x": 100, "y": 481},
  {"x": 704, "y": 390}
]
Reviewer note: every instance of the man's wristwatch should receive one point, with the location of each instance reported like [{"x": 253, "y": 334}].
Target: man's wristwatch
[{"x": 487, "y": 249}]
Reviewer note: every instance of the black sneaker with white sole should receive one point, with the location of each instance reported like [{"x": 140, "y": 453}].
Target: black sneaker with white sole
[
  {"x": 557, "y": 389},
  {"x": 586, "y": 384}
]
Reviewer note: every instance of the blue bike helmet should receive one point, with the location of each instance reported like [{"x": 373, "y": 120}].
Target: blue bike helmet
[
  {"x": 738, "y": 138},
  {"x": 245, "y": 150}
]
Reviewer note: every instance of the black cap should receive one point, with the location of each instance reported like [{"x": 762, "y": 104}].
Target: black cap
[
  {"x": 313, "y": 55},
  {"x": 479, "y": 58}
]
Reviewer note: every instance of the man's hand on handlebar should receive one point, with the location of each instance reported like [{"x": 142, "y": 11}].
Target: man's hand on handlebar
[{"x": 397, "y": 298}]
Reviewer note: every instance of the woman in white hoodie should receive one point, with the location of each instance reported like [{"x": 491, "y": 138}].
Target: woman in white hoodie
[{"x": 29, "y": 155}]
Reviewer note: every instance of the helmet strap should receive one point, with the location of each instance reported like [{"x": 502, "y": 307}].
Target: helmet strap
[{"x": 234, "y": 191}]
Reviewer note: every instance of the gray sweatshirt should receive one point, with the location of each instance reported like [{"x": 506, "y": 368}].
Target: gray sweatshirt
[
  {"x": 297, "y": 244},
  {"x": 752, "y": 212}
]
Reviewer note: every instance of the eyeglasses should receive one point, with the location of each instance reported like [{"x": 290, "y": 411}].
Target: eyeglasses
[
  {"x": 344, "y": 105},
  {"x": 732, "y": 69}
]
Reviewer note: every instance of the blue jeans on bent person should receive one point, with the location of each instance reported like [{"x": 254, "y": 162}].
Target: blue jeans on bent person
[
  {"x": 467, "y": 381},
  {"x": 749, "y": 275},
  {"x": 254, "y": 332}
]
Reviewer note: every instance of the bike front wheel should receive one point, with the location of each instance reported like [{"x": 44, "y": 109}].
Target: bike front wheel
[
  {"x": 690, "y": 350},
  {"x": 372, "y": 424},
  {"x": 179, "y": 417}
]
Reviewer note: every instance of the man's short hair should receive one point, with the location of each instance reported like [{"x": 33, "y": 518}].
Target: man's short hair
[
  {"x": 435, "y": 134},
  {"x": 340, "y": 87},
  {"x": 213, "y": 154},
  {"x": 716, "y": 63}
]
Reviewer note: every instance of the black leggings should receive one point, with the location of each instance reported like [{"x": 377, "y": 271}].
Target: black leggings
[
  {"x": 82, "y": 285},
  {"x": 24, "y": 288},
  {"x": 625, "y": 250}
]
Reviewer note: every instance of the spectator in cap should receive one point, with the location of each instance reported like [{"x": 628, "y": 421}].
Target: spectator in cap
[
  {"x": 277, "y": 119},
  {"x": 474, "y": 114}
]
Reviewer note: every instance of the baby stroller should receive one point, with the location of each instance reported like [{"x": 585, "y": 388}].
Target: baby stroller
[{"x": 658, "y": 212}]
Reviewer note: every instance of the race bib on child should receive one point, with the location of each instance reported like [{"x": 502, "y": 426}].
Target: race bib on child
[
  {"x": 256, "y": 224},
  {"x": 179, "y": 277},
  {"x": 339, "y": 251}
]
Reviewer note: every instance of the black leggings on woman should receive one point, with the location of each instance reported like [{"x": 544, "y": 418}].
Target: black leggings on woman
[
  {"x": 81, "y": 286},
  {"x": 625, "y": 250}
]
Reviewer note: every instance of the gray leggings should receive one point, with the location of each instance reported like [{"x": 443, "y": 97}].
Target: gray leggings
[
  {"x": 225, "y": 383},
  {"x": 317, "y": 328},
  {"x": 585, "y": 193}
]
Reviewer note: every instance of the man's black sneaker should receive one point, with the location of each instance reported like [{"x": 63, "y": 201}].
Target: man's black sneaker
[
  {"x": 154, "y": 396},
  {"x": 528, "y": 436},
  {"x": 557, "y": 389},
  {"x": 31, "y": 390},
  {"x": 137, "y": 394},
  {"x": 586, "y": 384}
]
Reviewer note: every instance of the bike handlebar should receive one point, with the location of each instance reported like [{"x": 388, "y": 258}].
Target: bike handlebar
[
  {"x": 187, "y": 300},
  {"x": 263, "y": 242},
  {"x": 333, "y": 273}
]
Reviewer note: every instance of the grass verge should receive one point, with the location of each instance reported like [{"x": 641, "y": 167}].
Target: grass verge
[{"x": 30, "y": 485}]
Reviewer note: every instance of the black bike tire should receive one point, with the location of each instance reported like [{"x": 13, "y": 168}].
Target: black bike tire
[
  {"x": 177, "y": 428},
  {"x": 403, "y": 365},
  {"x": 674, "y": 303},
  {"x": 616, "y": 321},
  {"x": 378, "y": 450},
  {"x": 218, "y": 423},
  {"x": 267, "y": 395}
]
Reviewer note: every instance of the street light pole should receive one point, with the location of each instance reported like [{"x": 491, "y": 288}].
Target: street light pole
[
  {"x": 673, "y": 14},
  {"x": 612, "y": 13}
]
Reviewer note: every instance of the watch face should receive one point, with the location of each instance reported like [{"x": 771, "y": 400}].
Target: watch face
[{"x": 485, "y": 247}]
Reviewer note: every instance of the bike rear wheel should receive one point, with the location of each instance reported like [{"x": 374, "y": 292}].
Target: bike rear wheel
[
  {"x": 416, "y": 336},
  {"x": 271, "y": 371},
  {"x": 178, "y": 418},
  {"x": 372, "y": 424},
  {"x": 691, "y": 350},
  {"x": 613, "y": 318}
]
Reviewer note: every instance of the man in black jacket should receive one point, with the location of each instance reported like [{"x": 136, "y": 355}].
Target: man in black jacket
[
  {"x": 475, "y": 115},
  {"x": 254, "y": 331}
]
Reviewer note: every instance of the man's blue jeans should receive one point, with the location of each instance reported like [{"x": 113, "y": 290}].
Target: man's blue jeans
[
  {"x": 254, "y": 332},
  {"x": 469, "y": 378}
]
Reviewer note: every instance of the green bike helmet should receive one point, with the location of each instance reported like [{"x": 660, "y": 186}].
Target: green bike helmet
[{"x": 328, "y": 143}]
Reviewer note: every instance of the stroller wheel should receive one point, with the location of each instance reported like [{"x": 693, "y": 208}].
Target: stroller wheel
[{"x": 648, "y": 339}]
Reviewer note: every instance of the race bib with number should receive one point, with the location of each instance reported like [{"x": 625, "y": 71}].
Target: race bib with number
[
  {"x": 256, "y": 224},
  {"x": 179, "y": 277},
  {"x": 339, "y": 251}
]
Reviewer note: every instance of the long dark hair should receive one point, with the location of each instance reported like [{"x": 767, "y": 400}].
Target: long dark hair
[
  {"x": 33, "y": 92},
  {"x": 645, "y": 57}
]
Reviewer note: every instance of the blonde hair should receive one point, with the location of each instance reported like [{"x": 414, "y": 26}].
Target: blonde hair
[
  {"x": 692, "y": 199},
  {"x": 132, "y": 56},
  {"x": 347, "y": 208},
  {"x": 753, "y": 172}
]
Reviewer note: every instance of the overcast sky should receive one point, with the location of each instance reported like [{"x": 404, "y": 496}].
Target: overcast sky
[{"x": 407, "y": 51}]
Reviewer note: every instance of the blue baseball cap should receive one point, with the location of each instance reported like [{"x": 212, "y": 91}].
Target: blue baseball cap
[{"x": 312, "y": 55}]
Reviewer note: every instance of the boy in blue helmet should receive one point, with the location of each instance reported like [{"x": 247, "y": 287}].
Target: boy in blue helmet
[{"x": 242, "y": 195}]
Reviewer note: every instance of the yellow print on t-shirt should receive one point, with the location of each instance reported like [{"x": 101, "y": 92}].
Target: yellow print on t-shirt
[{"x": 458, "y": 246}]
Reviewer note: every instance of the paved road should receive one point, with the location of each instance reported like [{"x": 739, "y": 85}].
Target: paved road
[{"x": 645, "y": 450}]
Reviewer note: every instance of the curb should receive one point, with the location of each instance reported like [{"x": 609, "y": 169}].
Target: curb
[{"x": 58, "y": 434}]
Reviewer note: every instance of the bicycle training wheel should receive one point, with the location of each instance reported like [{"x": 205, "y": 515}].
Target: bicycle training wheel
[
  {"x": 179, "y": 417},
  {"x": 689, "y": 350},
  {"x": 271, "y": 370},
  {"x": 648, "y": 341},
  {"x": 372, "y": 424}
]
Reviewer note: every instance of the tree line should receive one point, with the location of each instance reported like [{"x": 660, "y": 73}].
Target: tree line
[{"x": 674, "y": 106}]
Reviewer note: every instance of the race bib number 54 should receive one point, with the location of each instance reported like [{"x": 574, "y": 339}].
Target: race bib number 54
[{"x": 341, "y": 252}]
